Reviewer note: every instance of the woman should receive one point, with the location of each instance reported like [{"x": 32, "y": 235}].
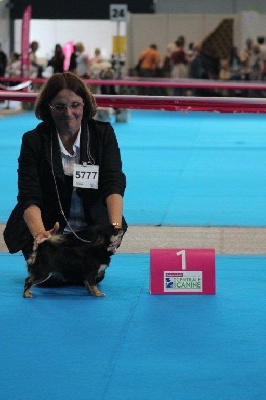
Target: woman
[
  {"x": 35, "y": 68},
  {"x": 57, "y": 61},
  {"x": 179, "y": 65},
  {"x": 82, "y": 63},
  {"x": 53, "y": 194},
  {"x": 14, "y": 71}
]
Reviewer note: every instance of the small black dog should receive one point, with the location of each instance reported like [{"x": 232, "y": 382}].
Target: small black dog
[{"x": 72, "y": 258}]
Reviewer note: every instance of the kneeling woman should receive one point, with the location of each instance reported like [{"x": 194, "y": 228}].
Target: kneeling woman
[{"x": 69, "y": 169}]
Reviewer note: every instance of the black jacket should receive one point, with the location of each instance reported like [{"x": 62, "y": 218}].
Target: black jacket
[{"x": 36, "y": 181}]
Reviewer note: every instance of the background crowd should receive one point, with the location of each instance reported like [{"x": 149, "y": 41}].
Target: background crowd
[{"x": 180, "y": 60}]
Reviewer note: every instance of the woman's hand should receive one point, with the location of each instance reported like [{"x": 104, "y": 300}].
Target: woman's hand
[{"x": 42, "y": 235}]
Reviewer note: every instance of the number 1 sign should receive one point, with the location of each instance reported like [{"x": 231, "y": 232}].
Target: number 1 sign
[{"x": 182, "y": 271}]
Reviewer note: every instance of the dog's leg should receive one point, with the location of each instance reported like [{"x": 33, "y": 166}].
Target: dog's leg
[
  {"x": 29, "y": 282},
  {"x": 32, "y": 281},
  {"x": 93, "y": 290}
]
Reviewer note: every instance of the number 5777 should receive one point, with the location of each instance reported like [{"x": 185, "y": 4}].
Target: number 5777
[{"x": 86, "y": 175}]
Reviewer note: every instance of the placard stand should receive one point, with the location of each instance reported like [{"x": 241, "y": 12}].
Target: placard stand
[{"x": 182, "y": 271}]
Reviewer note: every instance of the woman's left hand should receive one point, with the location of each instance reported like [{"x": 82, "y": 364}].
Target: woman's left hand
[{"x": 115, "y": 240}]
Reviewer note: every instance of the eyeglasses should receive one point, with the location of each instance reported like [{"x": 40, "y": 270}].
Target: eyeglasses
[{"x": 60, "y": 107}]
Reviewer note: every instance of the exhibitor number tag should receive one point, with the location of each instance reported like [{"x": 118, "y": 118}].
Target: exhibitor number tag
[{"x": 86, "y": 176}]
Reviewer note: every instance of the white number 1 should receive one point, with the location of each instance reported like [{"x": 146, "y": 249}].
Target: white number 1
[{"x": 182, "y": 253}]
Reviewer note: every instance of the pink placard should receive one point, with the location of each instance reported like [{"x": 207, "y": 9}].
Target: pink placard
[
  {"x": 67, "y": 49},
  {"x": 182, "y": 271}
]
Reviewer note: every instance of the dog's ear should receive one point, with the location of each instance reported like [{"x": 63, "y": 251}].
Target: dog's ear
[
  {"x": 117, "y": 234},
  {"x": 98, "y": 240}
]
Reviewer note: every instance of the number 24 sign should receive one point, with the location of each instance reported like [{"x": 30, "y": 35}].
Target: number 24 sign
[{"x": 118, "y": 12}]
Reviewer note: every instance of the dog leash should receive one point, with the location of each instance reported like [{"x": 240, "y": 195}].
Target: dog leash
[{"x": 59, "y": 201}]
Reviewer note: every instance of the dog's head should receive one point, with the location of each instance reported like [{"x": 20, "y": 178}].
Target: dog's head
[{"x": 105, "y": 236}]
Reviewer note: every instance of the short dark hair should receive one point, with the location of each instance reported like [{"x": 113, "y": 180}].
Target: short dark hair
[
  {"x": 58, "y": 82},
  {"x": 179, "y": 43}
]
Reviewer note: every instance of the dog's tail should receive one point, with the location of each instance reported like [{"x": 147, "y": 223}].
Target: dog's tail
[{"x": 54, "y": 239}]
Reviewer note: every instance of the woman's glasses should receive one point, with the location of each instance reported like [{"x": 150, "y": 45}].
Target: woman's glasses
[{"x": 61, "y": 107}]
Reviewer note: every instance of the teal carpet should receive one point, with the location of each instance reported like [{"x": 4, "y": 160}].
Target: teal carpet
[
  {"x": 183, "y": 169},
  {"x": 64, "y": 345}
]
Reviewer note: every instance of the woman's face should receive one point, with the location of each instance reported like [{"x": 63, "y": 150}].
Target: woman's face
[{"x": 67, "y": 112}]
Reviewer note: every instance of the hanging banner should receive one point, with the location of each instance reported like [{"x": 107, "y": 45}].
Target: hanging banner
[{"x": 25, "y": 42}]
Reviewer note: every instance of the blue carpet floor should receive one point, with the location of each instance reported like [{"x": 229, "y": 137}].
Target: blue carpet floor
[
  {"x": 182, "y": 169},
  {"x": 63, "y": 344}
]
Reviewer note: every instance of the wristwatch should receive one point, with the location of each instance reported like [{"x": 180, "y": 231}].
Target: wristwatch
[{"x": 116, "y": 225}]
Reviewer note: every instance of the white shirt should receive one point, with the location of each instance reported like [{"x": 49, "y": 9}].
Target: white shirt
[{"x": 76, "y": 218}]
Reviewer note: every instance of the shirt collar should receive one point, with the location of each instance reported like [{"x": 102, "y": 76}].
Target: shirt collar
[{"x": 76, "y": 145}]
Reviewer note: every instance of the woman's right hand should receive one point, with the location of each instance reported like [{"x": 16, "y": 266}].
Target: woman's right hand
[{"x": 42, "y": 235}]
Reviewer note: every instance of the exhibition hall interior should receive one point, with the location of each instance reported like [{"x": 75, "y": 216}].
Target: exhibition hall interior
[{"x": 132, "y": 206}]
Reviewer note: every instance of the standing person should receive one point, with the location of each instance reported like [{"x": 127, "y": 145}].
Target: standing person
[
  {"x": 197, "y": 69},
  {"x": 256, "y": 70},
  {"x": 14, "y": 66},
  {"x": 149, "y": 60},
  {"x": 101, "y": 69},
  {"x": 3, "y": 62},
  {"x": 35, "y": 68},
  {"x": 262, "y": 45},
  {"x": 235, "y": 64},
  {"x": 166, "y": 66},
  {"x": 97, "y": 59},
  {"x": 57, "y": 61},
  {"x": 179, "y": 63},
  {"x": 82, "y": 63},
  {"x": 50, "y": 195},
  {"x": 72, "y": 63},
  {"x": 246, "y": 57},
  {"x": 14, "y": 70}
]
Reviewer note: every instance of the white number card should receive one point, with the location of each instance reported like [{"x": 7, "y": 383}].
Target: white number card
[{"x": 86, "y": 176}]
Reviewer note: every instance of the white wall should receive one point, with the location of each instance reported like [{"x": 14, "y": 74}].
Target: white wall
[
  {"x": 209, "y": 6},
  {"x": 92, "y": 33}
]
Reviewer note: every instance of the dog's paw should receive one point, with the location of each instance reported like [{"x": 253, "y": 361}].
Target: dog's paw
[
  {"x": 100, "y": 294},
  {"x": 97, "y": 293},
  {"x": 27, "y": 294},
  {"x": 93, "y": 290}
]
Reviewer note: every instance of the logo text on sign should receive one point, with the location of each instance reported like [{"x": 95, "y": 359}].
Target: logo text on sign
[{"x": 188, "y": 281}]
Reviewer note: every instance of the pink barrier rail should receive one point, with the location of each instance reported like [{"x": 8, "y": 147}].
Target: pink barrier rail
[
  {"x": 164, "y": 83},
  {"x": 167, "y": 103}
]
